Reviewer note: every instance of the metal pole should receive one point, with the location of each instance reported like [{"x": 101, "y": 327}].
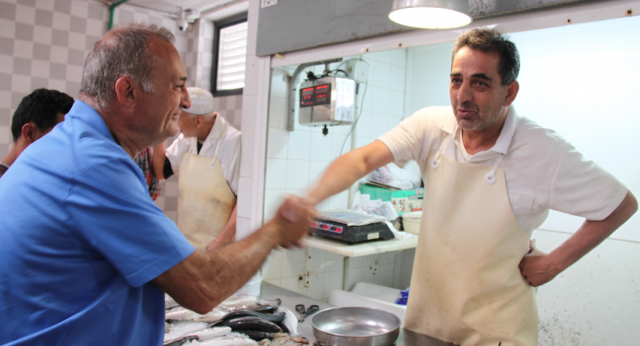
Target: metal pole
[{"x": 345, "y": 273}]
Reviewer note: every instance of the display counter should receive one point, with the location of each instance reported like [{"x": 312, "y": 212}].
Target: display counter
[{"x": 356, "y": 250}]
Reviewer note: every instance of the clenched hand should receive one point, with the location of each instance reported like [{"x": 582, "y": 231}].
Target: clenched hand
[
  {"x": 292, "y": 221},
  {"x": 536, "y": 266}
]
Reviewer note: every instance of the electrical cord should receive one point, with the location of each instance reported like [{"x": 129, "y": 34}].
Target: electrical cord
[
  {"x": 357, "y": 119},
  {"x": 339, "y": 70},
  {"x": 346, "y": 61}
]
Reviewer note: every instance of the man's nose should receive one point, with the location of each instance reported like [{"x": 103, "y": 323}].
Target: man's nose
[
  {"x": 186, "y": 100},
  {"x": 464, "y": 93}
]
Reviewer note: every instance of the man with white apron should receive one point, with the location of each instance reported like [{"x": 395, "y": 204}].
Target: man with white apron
[
  {"x": 490, "y": 179},
  {"x": 206, "y": 157}
]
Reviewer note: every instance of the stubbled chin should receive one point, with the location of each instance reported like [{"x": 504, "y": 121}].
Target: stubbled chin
[
  {"x": 465, "y": 124},
  {"x": 172, "y": 130}
]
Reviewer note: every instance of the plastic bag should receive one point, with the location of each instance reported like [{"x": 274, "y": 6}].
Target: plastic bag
[
  {"x": 394, "y": 176},
  {"x": 350, "y": 217},
  {"x": 375, "y": 207}
]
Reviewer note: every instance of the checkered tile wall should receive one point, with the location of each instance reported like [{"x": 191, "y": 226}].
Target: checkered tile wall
[{"x": 43, "y": 44}]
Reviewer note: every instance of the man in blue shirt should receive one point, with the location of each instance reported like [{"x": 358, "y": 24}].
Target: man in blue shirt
[{"x": 86, "y": 255}]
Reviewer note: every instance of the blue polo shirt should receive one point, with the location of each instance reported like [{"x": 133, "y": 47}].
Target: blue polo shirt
[{"x": 80, "y": 240}]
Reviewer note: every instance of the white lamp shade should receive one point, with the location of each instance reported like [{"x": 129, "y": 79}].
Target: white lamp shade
[{"x": 431, "y": 14}]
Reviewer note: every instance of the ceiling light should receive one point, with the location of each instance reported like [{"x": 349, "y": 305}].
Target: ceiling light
[{"x": 431, "y": 14}]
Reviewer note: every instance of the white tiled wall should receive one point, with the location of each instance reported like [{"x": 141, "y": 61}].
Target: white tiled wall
[{"x": 296, "y": 160}]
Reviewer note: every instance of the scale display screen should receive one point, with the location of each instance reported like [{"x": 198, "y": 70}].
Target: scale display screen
[{"x": 315, "y": 95}]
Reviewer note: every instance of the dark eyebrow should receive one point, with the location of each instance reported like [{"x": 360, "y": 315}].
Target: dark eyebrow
[
  {"x": 477, "y": 75},
  {"x": 482, "y": 76},
  {"x": 184, "y": 79}
]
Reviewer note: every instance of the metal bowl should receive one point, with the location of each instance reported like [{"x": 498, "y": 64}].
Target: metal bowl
[{"x": 355, "y": 326}]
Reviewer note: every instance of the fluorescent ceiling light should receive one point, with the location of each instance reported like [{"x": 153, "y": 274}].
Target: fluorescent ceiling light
[{"x": 431, "y": 14}]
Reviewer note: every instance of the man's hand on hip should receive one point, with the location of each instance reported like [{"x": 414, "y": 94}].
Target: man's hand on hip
[{"x": 536, "y": 267}]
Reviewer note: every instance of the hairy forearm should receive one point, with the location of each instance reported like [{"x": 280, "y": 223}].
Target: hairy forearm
[
  {"x": 539, "y": 267},
  {"x": 203, "y": 280},
  {"x": 590, "y": 234},
  {"x": 233, "y": 265}
]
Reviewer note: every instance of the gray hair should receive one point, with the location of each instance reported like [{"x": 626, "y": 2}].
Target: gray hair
[
  {"x": 489, "y": 40},
  {"x": 123, "y": 51}
]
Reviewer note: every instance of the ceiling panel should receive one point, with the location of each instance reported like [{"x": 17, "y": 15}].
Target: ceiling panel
[{"x": 173, "y": 7}]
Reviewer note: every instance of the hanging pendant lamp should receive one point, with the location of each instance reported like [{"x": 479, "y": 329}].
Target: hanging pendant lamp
[{"x": 431, "y": 14}]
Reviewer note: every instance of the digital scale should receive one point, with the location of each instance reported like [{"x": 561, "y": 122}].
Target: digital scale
[{"x": 351, "y": 227}]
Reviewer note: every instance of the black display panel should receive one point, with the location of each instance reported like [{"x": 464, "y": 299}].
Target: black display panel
[{"x": 315, "y": 95}]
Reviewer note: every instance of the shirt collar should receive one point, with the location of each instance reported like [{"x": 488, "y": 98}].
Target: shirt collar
[
  {"x": 90, "y": 116},
  {"x": 504, "y": 140},
  {"x": 217, "y": 128}
]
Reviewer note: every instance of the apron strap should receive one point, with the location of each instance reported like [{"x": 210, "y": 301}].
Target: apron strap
[
  {"x": 215, "y": 155},
  {"x": 490, "y": 177},
  {"x": 436, "y": 162}
]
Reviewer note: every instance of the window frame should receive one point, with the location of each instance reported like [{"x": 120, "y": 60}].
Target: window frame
[{"x": 217, "y": 26}]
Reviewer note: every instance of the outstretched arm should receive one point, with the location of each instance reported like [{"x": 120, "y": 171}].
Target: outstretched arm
[
  {"x": 203, "y": 280},
  {"x": 348, "y": 168},
  {"x": 539, "y": 268}
]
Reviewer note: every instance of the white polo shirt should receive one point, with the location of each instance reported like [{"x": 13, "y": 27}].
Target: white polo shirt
[
  {"x": 228, "y": 155},
  {"x": 542, "y": 170}
]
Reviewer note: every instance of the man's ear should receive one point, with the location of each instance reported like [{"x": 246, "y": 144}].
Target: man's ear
[
  {"x": 125, "y": 91},
  {"x": 512, "y": 92},
  {"x": 29, "y": 132},
  {"x": 199, "y": 121}
]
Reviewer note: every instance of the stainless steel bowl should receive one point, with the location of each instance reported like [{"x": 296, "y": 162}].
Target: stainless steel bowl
[{"x": 355, "y": 326}]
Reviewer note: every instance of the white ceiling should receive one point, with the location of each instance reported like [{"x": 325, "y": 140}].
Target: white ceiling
[{"x": 209, "y": 9}]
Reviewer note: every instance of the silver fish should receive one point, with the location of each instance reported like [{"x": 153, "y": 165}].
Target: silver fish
[
  {"x": 169, "y": 302},
  {"x": 257, "y": 305},
  {"x": 202, "y": 335},
  {"x": 182, "y": 314}
]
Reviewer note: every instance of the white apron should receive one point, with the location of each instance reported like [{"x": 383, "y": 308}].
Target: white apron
[
  {"x": 205, "y": 200},
  {"x": 466, "y": 287}
]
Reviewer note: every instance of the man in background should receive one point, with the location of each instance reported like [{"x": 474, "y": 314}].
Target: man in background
[
  {"x": 151, "y": 162},
  {"x": 36, "y": 115},
  {"x": 206, "y": 157}
]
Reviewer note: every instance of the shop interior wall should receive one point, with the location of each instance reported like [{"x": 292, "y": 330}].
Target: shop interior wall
[
  {"x": 296, "y": 159},
  {"x": 43, "y": 44},
  {"x": 578, "y": 80}
]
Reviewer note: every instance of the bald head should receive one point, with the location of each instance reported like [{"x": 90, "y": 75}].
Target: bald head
[{"x": 121, "y": 52}]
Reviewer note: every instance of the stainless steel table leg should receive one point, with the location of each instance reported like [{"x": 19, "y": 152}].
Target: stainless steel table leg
[{"x": 345, "y": 273}]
